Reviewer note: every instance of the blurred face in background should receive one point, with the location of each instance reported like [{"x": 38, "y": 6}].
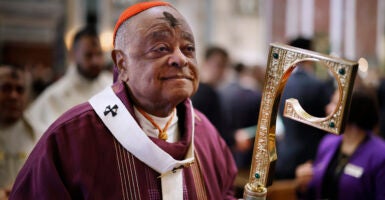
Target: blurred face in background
[
  {"x": 88, "y": 56},
  {"x": 12, "y": 95},
  {"x": 333, "y": 103},
  {"x": 214, "y": 69}
]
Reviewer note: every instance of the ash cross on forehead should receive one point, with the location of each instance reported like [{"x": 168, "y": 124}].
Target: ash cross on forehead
[{"x": 171, "y": 19}]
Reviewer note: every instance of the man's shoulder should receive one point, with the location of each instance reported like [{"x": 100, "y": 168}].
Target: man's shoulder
[
  {"x": 81, "y": 113},
  {"x": 200, "y": 118},
  {"x": 55, "y": 90},
  {"x": 203, "y": 127}
]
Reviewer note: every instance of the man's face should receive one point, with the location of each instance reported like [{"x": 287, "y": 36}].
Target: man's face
[
  {"x": 12, "y": 95},
  {"x": 88, "y": 57},
  {"x": 215, "y": 68},
  {"x": 160, "y": 58}
]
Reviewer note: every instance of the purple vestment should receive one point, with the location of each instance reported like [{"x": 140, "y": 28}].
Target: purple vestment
[
  {"x": 369, "y": 158},
  {"x": 78, "y": 158}
]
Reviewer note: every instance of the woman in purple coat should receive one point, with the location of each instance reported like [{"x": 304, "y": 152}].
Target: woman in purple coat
[{"x": 350, "y": 166}]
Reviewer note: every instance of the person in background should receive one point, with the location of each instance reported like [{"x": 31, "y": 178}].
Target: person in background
[
  {"x": 381, "y": 100},
  {"x": 207, "y": 99},
  {"x": 299, "y": 142},
  {"x": 84, "y": 78},
  {"x": 139, "y": 138},
  {"x": 351, "y": 165},
  {"x": 16, "y": 136},
  {"x": 216, "y": 61},
  {"x": 241, "y": 104},
  {"x": 42, "y": 76}
]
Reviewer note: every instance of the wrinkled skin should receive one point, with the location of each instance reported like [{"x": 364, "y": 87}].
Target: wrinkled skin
[{"x": 159, "y": 63}]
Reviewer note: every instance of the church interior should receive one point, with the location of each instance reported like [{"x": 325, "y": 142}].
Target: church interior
[{"x": 37, "y": 34}]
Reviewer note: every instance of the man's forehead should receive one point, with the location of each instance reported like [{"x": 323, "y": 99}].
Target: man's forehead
[
  {"x": 158, "y": 18},
  {"x": 160, "y": 13},
  {"x": 6, "y": 71},
  {"x": 87, "y": 41},
  {"x": 161, "y": 16}
]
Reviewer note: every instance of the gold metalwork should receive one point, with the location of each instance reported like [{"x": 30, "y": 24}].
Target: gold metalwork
[{"x": 281, "y": 62}]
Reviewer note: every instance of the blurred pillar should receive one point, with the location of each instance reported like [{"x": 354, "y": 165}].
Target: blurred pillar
[
  {"x": 106, "y": 26},
  {"x": 380, "y": 48},
  {"x": 350, "y": 29},
  {"x": 76, "y": 15},
  {"x": 336, "y": 24}
]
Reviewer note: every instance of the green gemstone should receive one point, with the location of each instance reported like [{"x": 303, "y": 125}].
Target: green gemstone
[
  {"x": 257, "y": 175},
  {"x": 332, "y": 124},
  {"x": 341, "y": 71},
  {"x": 275, "y": 55}
]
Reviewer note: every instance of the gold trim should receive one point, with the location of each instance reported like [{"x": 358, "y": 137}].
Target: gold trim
[{"x": 198, "y": 180}]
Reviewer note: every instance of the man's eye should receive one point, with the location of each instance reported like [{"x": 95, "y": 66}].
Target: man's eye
[
  {"x": 6, "y": 88},
  {"x": 190, "y": 48},
  {"x": 20, "y": 89},
  {"x": 162, "y": 49}
]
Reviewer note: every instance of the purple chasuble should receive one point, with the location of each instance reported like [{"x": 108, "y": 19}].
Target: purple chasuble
[{"x": 78, "y": 158}]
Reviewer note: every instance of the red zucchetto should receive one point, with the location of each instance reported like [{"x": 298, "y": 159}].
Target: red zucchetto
[{"x": 135, "y": 9}]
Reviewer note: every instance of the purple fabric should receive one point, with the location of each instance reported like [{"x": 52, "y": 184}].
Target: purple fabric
[
  {"x": 78, "y": 158},
  {"x": 369, "y": 155},
  {"x": 115, "y": 73}
]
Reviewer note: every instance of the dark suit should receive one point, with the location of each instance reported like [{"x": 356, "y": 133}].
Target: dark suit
[
  {"x": 300, "y": 141},
  {"x": 241, "y": 109},
  {"x": 381, "y": 100},
  {"x": 206, "y": 100}
]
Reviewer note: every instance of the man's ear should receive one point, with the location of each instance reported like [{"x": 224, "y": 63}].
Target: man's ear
[
  {"x": 120, "y": 62},
  {"x": 119, "y": 59}
]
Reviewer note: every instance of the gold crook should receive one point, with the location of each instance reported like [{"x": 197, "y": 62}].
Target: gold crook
[{"x": 281, "y": 62}]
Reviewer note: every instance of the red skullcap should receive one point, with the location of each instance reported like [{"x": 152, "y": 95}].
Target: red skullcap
[{"x": 135, "y": 9}]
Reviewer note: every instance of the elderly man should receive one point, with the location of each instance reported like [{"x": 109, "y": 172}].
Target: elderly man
[
  {"x": 16, "y": 136},
  {"x": 140, "y": 138}
]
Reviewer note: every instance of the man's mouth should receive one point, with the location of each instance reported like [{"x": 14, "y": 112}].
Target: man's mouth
[{"x": 178, "y": 76}]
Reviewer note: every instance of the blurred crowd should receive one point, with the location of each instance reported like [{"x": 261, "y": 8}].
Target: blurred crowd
[
  {"x": 229, "y": 94},
  {"x": 32, "y": 99}
]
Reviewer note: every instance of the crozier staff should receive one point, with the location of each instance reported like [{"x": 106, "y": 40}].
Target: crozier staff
[{"x": 140, "y": 138}]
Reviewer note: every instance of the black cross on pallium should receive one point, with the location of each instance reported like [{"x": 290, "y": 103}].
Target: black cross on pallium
[{"x": 113, "y": 110}]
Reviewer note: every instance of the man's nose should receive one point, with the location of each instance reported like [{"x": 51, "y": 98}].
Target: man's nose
[
  {"x": 178, "y": 59},
  {"x": 15, "y": 93},
  {"x": 97, "y": 59}
]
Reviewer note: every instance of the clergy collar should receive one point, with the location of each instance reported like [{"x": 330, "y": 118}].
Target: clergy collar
[{"x": 151, "y": 131}]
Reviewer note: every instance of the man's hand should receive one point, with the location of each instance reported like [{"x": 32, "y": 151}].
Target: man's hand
[{"x": 304, "y": 174}]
